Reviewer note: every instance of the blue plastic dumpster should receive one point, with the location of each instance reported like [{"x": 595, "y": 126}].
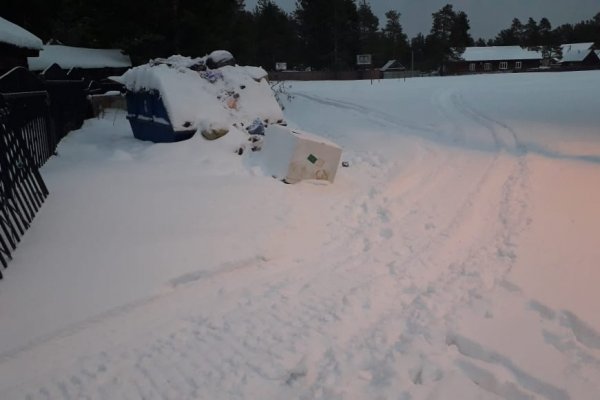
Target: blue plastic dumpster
[{"x": 149, "y": 119}]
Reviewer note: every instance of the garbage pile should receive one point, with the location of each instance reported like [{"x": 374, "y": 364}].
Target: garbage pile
[
  {"x": 171, "y": 99},
  {"x": 210, "y": 95}
]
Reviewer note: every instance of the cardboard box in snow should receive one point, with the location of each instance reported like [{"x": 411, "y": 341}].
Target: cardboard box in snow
[{"x": 293, "y": 155}]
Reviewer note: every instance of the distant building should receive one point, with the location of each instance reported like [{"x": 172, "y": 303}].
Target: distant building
[
  {"x": 393, "y": 69},
  {"x": 476, "y": 60},
  {"x": 579, "y": 55},
  {"x": 16, "y": 44},
  {"x": 93, "y": 64}
]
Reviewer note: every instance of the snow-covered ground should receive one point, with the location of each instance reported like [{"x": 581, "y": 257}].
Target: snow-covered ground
[{"x": 456, "y": 258}]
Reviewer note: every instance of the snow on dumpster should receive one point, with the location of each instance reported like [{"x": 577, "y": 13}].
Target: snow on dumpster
[
  {"x": 293, "y": 155},
  {"x": 178, "y": 96},
  {"x": 171, "y": 99}
]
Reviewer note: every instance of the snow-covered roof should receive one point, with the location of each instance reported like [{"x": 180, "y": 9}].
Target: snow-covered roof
[
  {"x": 78, "y": 57},
  {"x": 15, "y": 35},
  {"x": 499, "y": 53},
  {"x": 575, "y": 52},
  {"x": 392, "y": 64}
]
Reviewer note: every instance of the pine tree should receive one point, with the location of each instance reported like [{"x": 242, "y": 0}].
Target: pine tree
[
  {"x": 418, "y": 48},
  {"x": 368, "y": 27},
  {"x": 532, "y": 34},
  {"x": 395, "y": 40},
  {"x": 449, "y": 36},
  {"x": 459, "y": 35},
  {"x": 275, "y": 36},
  {"x": 549, "y": 46},
  {"x": 329, "y": 32},
  {"x": 518, "y": 32},
  {"x": 513, "y": 36}
]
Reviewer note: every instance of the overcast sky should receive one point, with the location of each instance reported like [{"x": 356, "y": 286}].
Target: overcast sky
[{"x": 487, "y": 17}]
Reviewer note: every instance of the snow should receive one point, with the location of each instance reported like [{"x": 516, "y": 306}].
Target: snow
[
  {"x": 499, "y": 53},
  {"x": 576, "y": 52},
  {"x": 218, "y": 56},
  {"x": 193, "y": 100},
  {"x": 78, "y": 57},
  {"x": 17, "y": 36},
  {"x": 456, "y": 258}
]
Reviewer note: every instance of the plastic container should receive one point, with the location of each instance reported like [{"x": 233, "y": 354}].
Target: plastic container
[{"x": 149, "y": 119}]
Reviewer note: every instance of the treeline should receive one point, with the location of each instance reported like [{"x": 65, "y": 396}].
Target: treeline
[
  {"x": 537, "y": 34},
  {"x": 321, "y": 34}
]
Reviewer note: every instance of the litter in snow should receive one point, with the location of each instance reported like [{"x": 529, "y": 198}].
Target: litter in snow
[
  {"x": 204, "y": 100},
  {"x": 293, "y": 155},
  {"x": 185, "y": 99}
]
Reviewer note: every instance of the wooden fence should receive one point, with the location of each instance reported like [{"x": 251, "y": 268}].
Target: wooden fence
[{"x": 325, "y": 75}]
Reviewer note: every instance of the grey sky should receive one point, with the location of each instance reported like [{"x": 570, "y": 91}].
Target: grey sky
[{"x": 487, "y": 17}]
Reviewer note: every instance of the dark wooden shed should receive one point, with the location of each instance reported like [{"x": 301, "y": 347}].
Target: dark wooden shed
[
  {"x": 16, "y": 44},
  {"x": 580, "y": 55}
]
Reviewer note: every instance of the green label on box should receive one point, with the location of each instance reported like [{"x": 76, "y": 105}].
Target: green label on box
[{"x": 312, "y": 159}]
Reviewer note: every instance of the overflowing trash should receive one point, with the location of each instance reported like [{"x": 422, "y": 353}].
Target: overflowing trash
[
  {"x": 257, "y": 128},
  {"x": 173, "y": 98},
  {"x": 211, "y": 76},
  {"x": 219, "y": 58},
  {"x": 210, "y": 94}
]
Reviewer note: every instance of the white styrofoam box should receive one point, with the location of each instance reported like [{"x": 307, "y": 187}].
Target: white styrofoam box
[{"x": 293, "y": 155}]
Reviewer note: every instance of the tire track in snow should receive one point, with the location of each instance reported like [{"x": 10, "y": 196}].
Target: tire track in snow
[
  {"x": 293, "y": 334},
  {"x": 514, "y": 190},
  {"x": 513, "y": 217},
  {"x": 372, "y": 114},
  {"x": 508, "y": 228},
  {"x": 499, "y": 135}
]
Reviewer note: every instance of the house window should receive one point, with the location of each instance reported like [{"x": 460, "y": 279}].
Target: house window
[
  {"x": 487, "y": 66},
  {"x": 503, "y": 65},
  {"x": 472, "y": 67},
  {"x": 518, "y": 65}
]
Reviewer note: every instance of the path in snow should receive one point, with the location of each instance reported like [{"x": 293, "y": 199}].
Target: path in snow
[{"x": 400, "y": 301}]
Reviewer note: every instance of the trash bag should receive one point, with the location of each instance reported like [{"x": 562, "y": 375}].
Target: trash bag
[
  {"x": 219, "y": 58},
  {"x": 211, "y": 76},
  {"x": 256, "y": 128}
]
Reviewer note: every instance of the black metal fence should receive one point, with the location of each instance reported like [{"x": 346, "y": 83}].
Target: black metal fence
[
  {"x": 24, "y": 143},
  {"x": 35, "y": 114}
]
